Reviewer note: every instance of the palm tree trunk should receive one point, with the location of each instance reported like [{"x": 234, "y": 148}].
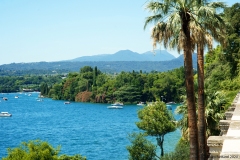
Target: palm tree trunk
[
  {"x": 201, "y": 107},
  {"x": 192, "y": 117}
]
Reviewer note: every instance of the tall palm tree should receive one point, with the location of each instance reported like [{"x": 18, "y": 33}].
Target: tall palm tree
[
  {"x": 178, "y": 14},
  {"x": 179, "y": 23},
  {"x": 212, "y": 27},
  {"x": 215, "y": 103}
]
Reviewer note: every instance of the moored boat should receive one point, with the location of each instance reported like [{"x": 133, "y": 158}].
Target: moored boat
[
  {"x": 5, "y": 114},
  {"x": 40, "y": 100},
  {"x": 67, "y": 102},
  {"x": 117, "y": 104},
  {"x": 115, "y": 107},
  {"x": 141, "y": 104},
  {"x": 170, "y": 103}
]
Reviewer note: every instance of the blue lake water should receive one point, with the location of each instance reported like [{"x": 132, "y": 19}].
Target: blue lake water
[{"x": 88, "y": 129}]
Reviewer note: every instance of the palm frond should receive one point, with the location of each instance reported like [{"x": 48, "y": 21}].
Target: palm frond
[{"x": 152, "y": 19}]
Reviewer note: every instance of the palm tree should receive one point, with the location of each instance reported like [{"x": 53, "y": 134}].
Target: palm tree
[
  {"x": 215, "y": 108},
  {"x": 215, "y": 103},
  {"x": 178, "y": 14},
  {"x": 182, "y": 18},
  {"x": 212, "y": 27}
]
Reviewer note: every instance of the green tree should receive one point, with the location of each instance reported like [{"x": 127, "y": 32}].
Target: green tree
[
  {"x": 177, "y": 22},
  {"x": 141, "y": 148},
  {"x": 232, "y": 51},
  {"x": 156, "y": 121},
  {"x": 178, "y": 14},
  {"x": 181, "y": 151},
  {"x": 95, "y": 74},
  {"x": 217, "y": 69},
  {"x": 44, "y": 89},
  {"x": 128, "y": 93},
  {"x": 38, "y": 150},
  {"x": 211, "y": 26},
  {"x": 87, "y": 74},
  {"x": 56, "y": 92}
]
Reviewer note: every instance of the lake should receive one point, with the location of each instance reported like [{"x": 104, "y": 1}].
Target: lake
[{"x": 88, "y": 129}]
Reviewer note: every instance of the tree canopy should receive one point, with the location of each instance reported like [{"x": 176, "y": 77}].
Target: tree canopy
[
  {"x": 38, "y": 150},
  {"x": 157, "y": 121}
]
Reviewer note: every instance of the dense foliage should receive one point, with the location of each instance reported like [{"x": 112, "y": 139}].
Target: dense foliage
[
  {"x": 37, "y": 149},
  {"x": 181, "y": 151},
  {"x": 18, "y": 83},
  {"x": 141, "y": 148},
  {"x": 222, "y": 66},
  {"x": 130, "y": 87}
]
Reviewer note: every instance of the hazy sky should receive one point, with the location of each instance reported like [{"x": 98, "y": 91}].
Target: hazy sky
[{"x": 53, "y": 30}]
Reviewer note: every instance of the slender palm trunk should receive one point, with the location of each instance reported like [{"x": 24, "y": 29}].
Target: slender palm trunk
[
  {"x": 192, "y": 117},
  {"x": 201, "y": 107}
]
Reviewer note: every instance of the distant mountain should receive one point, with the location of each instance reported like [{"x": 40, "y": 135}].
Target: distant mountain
[
  {"x": 158, "y": 55},
  {"x": 127, "y": 55},
  {"x": 60, "y": 67}
]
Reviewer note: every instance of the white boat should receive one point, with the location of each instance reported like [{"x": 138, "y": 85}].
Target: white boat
[
  {"x": 5, "y": 114},
  {"x": 66, "y": 102},
  {"x": 115, "y": 107},
  {"x": 117, "y": 104},
  {"x": 16, "y": 97},
  {"x": 171, "y": 103},
  {"x": 141, "y": 104}
]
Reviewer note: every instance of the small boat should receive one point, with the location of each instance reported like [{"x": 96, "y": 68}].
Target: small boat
[
  {"x": 40, "y": 96},
  {"x": 39, "y": 100},
  {"x": 16, "y": 97},
  {"x": 141, "y": 104},
  {"x": 171, "y": 103},
  {"x": 5, "y": 99},
  {"x": 67, "y": 102},
  {"x": 117, "y": 104},
  {"x": 115, "y": 107},
  {"x": 5, "y": 114}
]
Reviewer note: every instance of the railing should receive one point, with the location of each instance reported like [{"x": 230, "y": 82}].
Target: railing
[{"x": 227, "y": 145}]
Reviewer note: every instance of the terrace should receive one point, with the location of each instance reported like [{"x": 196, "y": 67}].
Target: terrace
[{"x": 227, "y": 145}]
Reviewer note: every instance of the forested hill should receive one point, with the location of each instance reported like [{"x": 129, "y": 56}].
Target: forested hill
[{"x": 105, "y": 66}]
